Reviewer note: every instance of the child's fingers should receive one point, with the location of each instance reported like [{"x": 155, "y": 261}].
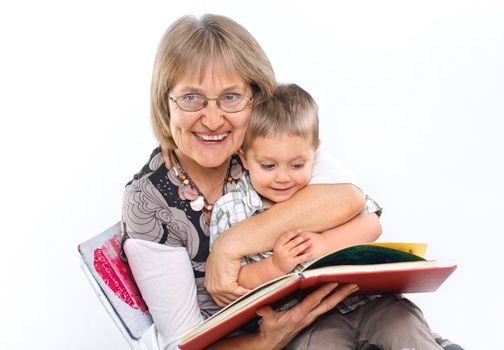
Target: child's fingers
[
  {"x": 300, "y": 248},
  {"x": 297, "y": 240},
  {"x": 302, "y": 257},
  {"x": 307, "y": 235},
  {"x": 287, "y": 237}
]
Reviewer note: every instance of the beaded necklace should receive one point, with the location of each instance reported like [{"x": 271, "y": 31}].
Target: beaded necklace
[{"x": 189, "y": 191}]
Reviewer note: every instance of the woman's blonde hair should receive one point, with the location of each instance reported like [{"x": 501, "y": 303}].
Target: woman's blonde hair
[
  {"x": 290, "y": 111},
  {"x": 189, "y": 45}
]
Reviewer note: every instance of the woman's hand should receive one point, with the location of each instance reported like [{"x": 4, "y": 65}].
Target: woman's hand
[
  {"x": 277, "y": 329},
  {"x": 221, "y": 276}
]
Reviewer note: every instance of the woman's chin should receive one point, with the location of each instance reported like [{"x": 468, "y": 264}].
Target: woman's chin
[
  {"x": 213, "y": 160},
  {"x": 213, "y": 156}
]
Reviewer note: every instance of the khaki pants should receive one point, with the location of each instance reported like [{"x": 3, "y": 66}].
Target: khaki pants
[{"x": 387, "y": 323}]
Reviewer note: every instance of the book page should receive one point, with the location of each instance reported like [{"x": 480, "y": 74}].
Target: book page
[
  {"x": 363, "y": 254},
  {"x": 331, "y": 270}
]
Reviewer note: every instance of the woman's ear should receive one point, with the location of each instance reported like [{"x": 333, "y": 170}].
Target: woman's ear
[{"x": 243, "y": 158}]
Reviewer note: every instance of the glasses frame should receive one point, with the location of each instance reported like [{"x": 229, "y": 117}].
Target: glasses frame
[{"x": 205, "y": 102}]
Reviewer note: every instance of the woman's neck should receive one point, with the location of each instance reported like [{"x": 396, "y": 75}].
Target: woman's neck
[{"x": 210, "y": 181}]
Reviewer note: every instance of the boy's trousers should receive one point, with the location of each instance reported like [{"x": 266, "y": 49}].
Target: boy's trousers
[{"x": 388, "y": 322}]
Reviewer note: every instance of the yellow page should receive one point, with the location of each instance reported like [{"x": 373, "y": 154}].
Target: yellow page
[{"x": 413, "y": 248}]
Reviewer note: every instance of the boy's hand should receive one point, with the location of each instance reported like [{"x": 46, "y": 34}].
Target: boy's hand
[
  {"x": 291, "y": 249},
  {"x": 319, "y": 245}
]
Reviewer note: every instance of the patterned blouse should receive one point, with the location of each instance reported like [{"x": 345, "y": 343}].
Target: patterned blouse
[{"x": 153, "y": 211}]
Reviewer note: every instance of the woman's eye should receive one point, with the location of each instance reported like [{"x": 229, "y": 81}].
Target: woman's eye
[
  {"x": 230, "y": 97},
  {"x": 191, "y": 97},
  {"x": 267, "y": 166}
]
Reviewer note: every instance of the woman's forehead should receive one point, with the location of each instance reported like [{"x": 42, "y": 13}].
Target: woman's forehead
[{"x": 217, "y": 72}]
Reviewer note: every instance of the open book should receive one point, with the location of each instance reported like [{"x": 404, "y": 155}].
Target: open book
[{"x": 377, "y": 268}]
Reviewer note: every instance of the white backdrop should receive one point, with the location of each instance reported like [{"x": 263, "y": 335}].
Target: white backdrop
[{"x": 411, "y": 97}]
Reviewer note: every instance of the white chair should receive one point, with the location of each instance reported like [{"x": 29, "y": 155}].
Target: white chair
[{"x": 114, "y": 285}]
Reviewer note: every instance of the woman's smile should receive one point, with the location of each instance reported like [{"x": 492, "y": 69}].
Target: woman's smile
[{"x": 212, "y": 138}]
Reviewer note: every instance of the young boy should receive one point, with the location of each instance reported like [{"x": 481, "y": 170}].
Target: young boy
[{"x": 278, "y": 152}]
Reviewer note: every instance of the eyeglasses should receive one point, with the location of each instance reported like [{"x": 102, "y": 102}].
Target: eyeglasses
[{"x": 230, "y": 102}]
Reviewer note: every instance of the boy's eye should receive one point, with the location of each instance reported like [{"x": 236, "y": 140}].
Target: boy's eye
[
  {"x": 299, "y": 165},
  {"x": 267, "y": 166}
]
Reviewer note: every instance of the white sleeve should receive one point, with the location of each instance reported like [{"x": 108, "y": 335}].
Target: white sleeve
[
  {"x": 328, "y": 170},
  {"x": 173, "y": 306}
]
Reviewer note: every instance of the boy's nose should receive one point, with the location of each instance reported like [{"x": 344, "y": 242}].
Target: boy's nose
[{"x": 282, "y": 176}]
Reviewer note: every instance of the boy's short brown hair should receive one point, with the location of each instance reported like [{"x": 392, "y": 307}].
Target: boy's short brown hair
[{"x": 291, "y": 111}]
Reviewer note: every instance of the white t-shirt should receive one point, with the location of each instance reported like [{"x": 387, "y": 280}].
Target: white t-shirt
[{"x": 329, "y": 170}]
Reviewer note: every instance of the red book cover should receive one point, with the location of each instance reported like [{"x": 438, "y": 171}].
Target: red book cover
[{"x": 376, "y": 269}]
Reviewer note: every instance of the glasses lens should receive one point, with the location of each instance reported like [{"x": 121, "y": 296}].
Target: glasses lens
[
  {"x": 232, "y": 102},
  {"x": 191, "y": 102}
]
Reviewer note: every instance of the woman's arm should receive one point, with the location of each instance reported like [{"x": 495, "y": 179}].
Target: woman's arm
[
  {"x": 277, "y": 329},
  {"x": 155, "y": 266},
  {"x": 173, "y": 306},
  {"x": 315, "y": 208}
]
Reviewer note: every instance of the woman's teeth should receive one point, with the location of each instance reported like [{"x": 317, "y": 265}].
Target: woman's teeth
[{"x": 219, "y": 137}]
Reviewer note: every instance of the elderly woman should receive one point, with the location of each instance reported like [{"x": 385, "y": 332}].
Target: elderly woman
[{"x": 208, "y": 75}]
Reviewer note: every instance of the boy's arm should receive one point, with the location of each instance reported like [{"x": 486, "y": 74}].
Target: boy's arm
[
  {"x": 259, "y": 272},
  {"x": 290, "y": 250},
  {"x": 363, "y": 228}
]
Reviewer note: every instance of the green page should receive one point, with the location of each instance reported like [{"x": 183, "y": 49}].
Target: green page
[{"x": 363, "y": 255}]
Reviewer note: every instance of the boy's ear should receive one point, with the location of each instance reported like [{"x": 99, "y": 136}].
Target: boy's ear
[
  {"x": 243, "y": 158},
  {"x": 316, "y": 145}
]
